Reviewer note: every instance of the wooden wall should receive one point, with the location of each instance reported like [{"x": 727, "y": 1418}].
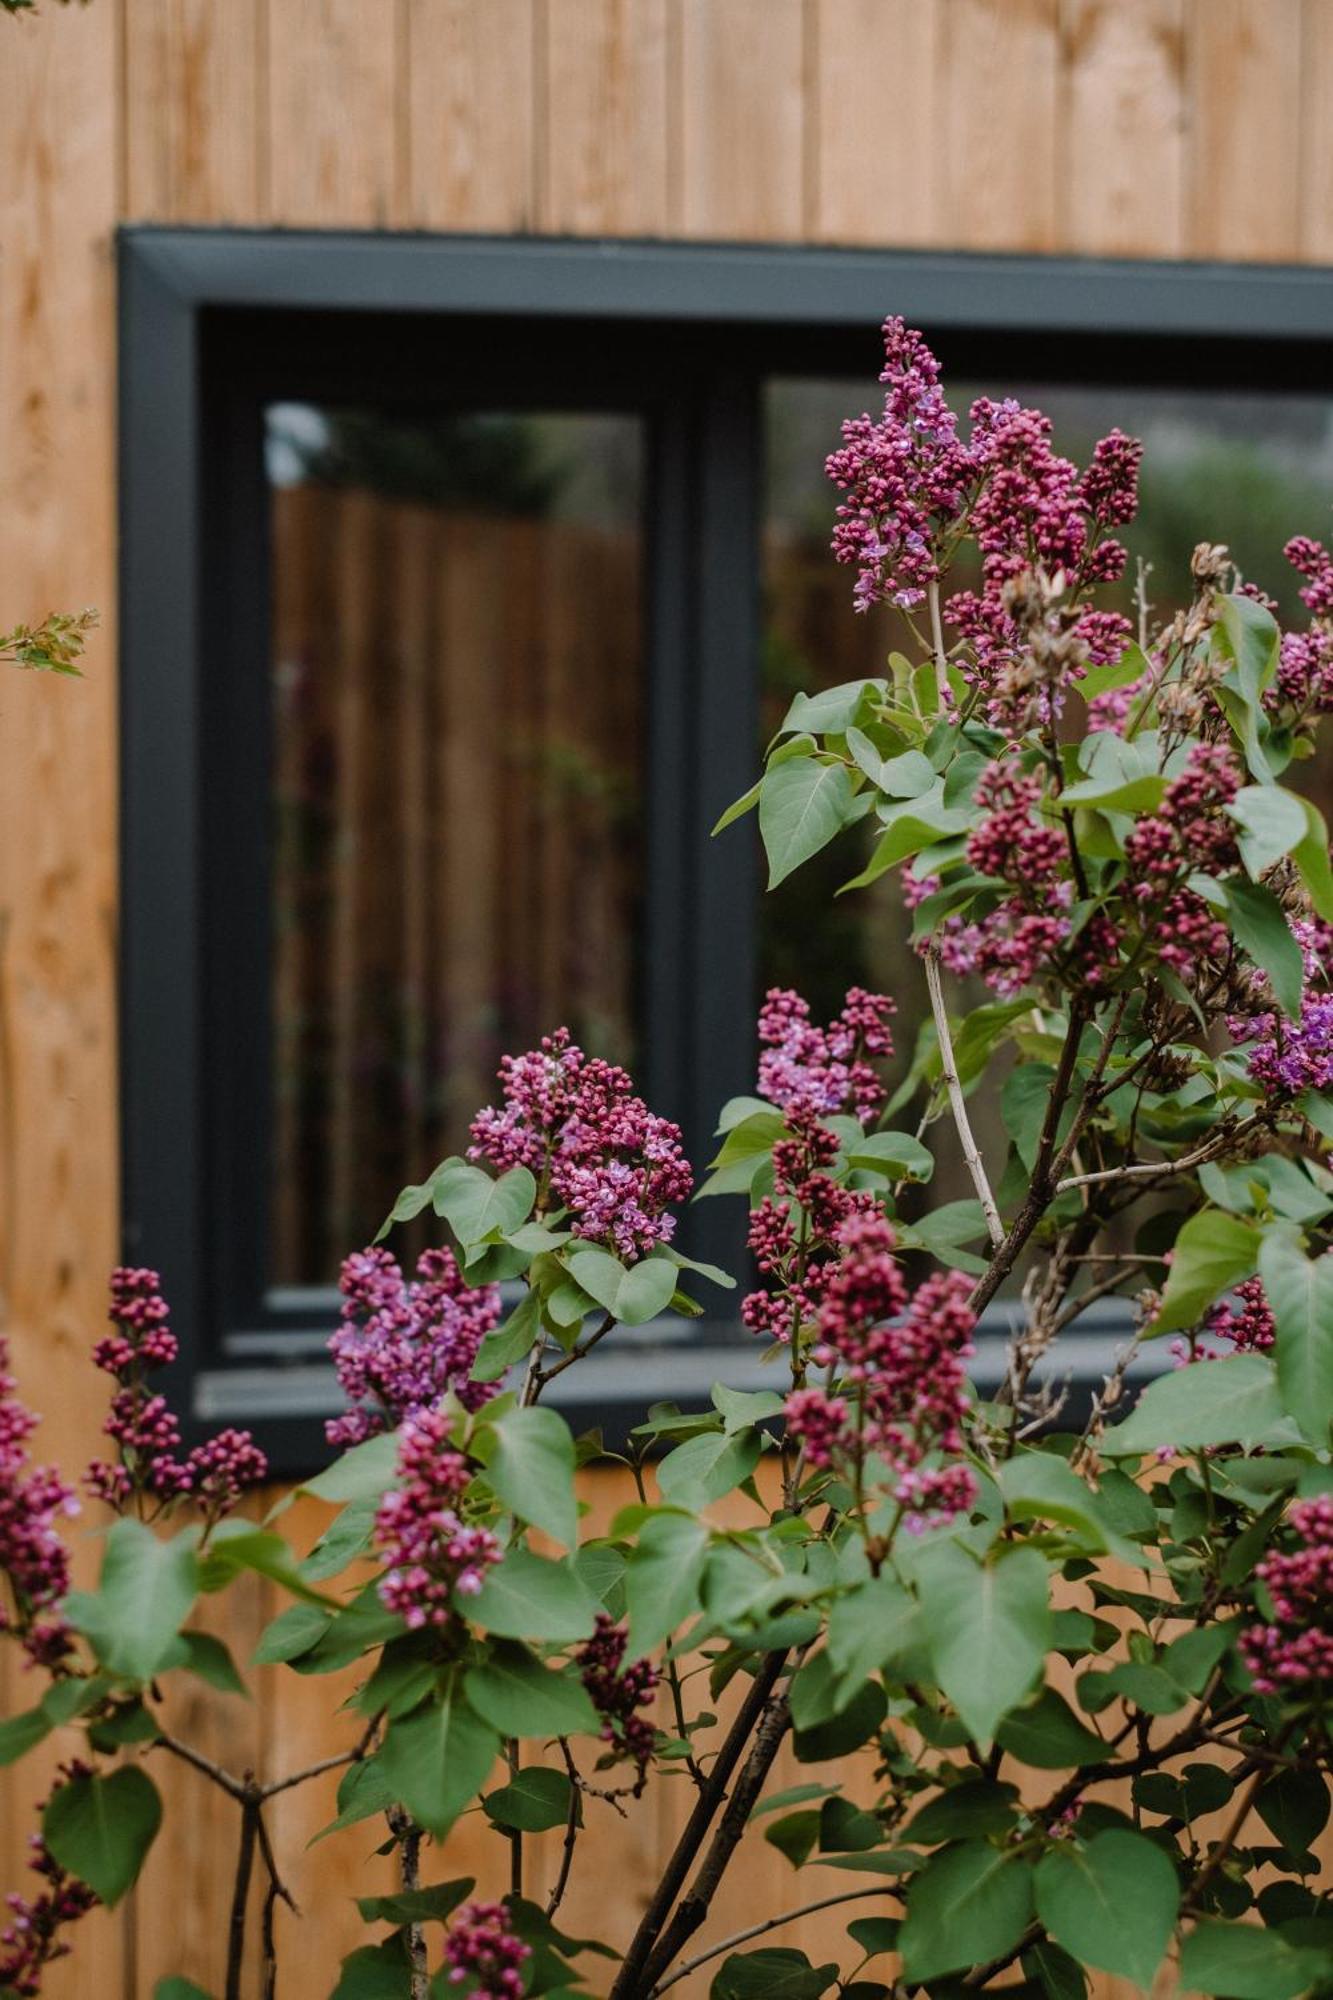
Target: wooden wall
[{"x": 1195, "y": 128}]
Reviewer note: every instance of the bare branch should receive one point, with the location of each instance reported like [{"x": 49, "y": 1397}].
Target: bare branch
[
  {"x": 957, "y": 1103},
  {"x": 758, "y": 1930}
]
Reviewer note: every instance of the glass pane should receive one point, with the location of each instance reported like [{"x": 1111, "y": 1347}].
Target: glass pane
[
  {"x": 1246, "y": 470},
  {"x": 457, "y": 703}
]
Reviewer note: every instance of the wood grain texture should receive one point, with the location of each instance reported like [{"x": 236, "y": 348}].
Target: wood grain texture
[
  {"x": 603, "y": 169},
  {"x": 334, "y": 126},
  {"x": 59, "y": 143},
  {"x": 1121, "y": 174},
  {"x": 194, "y": 94},
  {"x": 740, "y": 122},
  {"x": 997, "y": 135},
  {"x": 1244, "y": 196},
  {"x": 1316, "y": 111},
  {"x": 469, "y": 108},
  {"x": 875, "y": 89}
]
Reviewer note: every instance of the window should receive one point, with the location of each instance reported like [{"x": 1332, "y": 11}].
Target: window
[{"x": 462, "y": 581}]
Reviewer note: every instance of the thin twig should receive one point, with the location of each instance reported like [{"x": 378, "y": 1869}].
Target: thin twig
[
  {"x": 957, "y": 1103},
  {"x": 408, "y": 1835},
  {"x": 757, "y": 1930},
  {"x": 277, "y": 1889},
  {"x": 214, "y": 1772},
  {"x": 545, "y": 1375},
  {"x": 937, "y": 641},
  {"x": 240, "y": 1897},
  {"x": 1149, "y": 1169},
  {"x": 557, "y": 1894}
]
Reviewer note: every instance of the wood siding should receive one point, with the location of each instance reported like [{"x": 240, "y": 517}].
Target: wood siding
[{"x": 1161, "y": 127}]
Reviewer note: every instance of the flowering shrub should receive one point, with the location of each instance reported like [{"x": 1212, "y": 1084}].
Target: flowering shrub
[{"x": 1074, "y": 1648}]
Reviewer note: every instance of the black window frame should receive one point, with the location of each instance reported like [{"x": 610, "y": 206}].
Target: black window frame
[{"x": 214, "y": 324}]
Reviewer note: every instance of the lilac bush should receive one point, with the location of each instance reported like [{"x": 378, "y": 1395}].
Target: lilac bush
[{"x": 1073, "y": 1648}]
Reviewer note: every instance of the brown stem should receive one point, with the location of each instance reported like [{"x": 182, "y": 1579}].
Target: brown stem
[
  {"x": 629, "y": 1982},
  {"x": 277, "y": 1889},
  {"x": 408, "y": 1835},
  {"x": 758, "y": 1930},
  {"x": 556, "y": 1896},
  {"x": 515, "y": 1835},
  {"x": 693, "y": 1908},
  {"x": 240, "y": 1896},
  {"x": 958, "y": 1104},
  {"x": 545, "y": 1375}
]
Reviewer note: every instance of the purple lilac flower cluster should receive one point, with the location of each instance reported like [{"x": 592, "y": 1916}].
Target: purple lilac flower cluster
[
  {"x": 822, "y": 1071},
  {"x": 618, "y": 1692},
  {"x": 901, "y": 1387},
  {"x": 914, "y": 489},
  {"x": 216, "y": 1473},
  {"x": 1296, "y": 1649},
  {"x": 1247, "y": 1327},
  {"x": 1010, "y": 944},
  {"x": 31, "y": 1940},
  {"x": 482, "y": 1947},
  {"x": 33, "y": 1558},
  {"x": 402, "y": 1345},
  {"x": 575, "y": 1122},
  {"x": 429, "y": 1550},
  {"x": 1304, "y": 680},
  {"x": 1288, "y": 1057}
]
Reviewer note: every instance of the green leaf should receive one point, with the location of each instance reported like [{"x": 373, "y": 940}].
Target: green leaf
[
  {"x": 897, "y": 1154},
  {"x": 504, "y": 1345},
  {"x": 775, "y": 1973},
  {"x": 973, "y": 1810},
  {"x": 177, "y": 1988},
  {"x": 293, "y": 1633},
  {"x": 706, "y": 1468},
  {"x": 740, "y": 1408},
  {"x": 1244, "y": 1962},
  {"x": 915, "y": 824},
  {"x": 1261, "y": 929},
  {"x": 829, "y": 711},
  {"x": 1049, "y": 1736},
  {"x": 1311, "y": 856},
  {"x": 855, "y": 1722},
  {"x": 662, "y": 1580},
  {"x": 1212, "y": 1252},
  {"x": 1230, "y": 1401},
  {"x": 534, "y": 1801},
  {"x": 738, "y": 808},
  {"x": 146, "y": 1591},
  {"x": 1300, "y": 1292},
  {"x": 1293, "y": 1805},
  {"x": 517, "y": 1695},
  {"x": 529, "y": 1597},
  {"x": 1111, "y": 1904},
  {"x": 968, "y": 1905},
  {"x": 529, "y": 1460},
  {"x": 363, "y": 1473},
  {"x": 416, "y": 1906},
  {"x": 1272, "y": 822},
  {"x": 21, "y": 1733},
  {"x": 632, "y": 1294},
  {"x": 1040, "y": 1486},
  {"x": 210, "y": 1659},
  {"x": 903, "y": 777},
  {"x": 239, "y": 1544},
  {"x": 988, "y": 1628},
  {"x": 802, "y": 805},
  {"x": 363, "y": 1791},
  {"x": 475, "y": 1206},
  {"x": 100, "y": 1829},
  {"x": 1252, "y": 638},
  {"x": 437, "y": 1759},
  {"x": 873, "y": 1628},
  {"x": 375, "y": 1972}
]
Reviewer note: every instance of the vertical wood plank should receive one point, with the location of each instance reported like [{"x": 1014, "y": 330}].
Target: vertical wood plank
[
  {"x": 1122, "y": 170},
  {"x": 1316, "y": 244},
  {"x": 741, "y": 119},
  {"x": 999, "y": 90},
  {"x": 1244, "y": 174},
  {"x": 59, "y": 160},
  {"x": 332, "y": 111},
  {"x": 604, "y": 164},
  {"x": 192, "y": 110},
  {"x": 470, "y": 91},
  {"x": 874, "y": 130}
]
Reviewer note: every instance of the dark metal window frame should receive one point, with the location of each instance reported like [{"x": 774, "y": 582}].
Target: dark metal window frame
[{"x": 214, "y": 323}]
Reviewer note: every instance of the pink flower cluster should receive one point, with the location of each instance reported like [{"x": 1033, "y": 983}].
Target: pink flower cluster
[
  {"x": 618, "y": 1692},
  {"x": 1189, "y": 831},
  {"x": 914, "y": 489},
  {"x": 822, "y": 1071},
  {"x": 1247, "y": 1327},
  {"x": 481, "y": 1947},
  {"x": 794, "y": 1238},
  {"x": 1296, "y": 1650},
  {"x": 900, "y": 1388},
  {"x": 216, "y": 1473},
  {"x": 907, "y": 478},
  {"x": 33, "y": 1558},
  {"x": 1012, "y": 843},
  {"x": 402, "y": 1345},
  {"x": 31, "y": 1940},
  {"x": 576, "y": 1124},
  {"x": 429, "y": 1549}
]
